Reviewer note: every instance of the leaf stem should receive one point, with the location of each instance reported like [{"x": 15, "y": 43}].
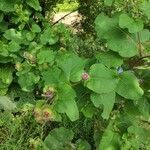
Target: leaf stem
[{"x": 140, "y": 45}]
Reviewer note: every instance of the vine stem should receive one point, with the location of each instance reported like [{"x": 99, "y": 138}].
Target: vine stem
[{"x": 64, "y": 16}]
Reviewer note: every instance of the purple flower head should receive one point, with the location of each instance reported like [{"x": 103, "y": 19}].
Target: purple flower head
[{"x": 85, "y": 76}]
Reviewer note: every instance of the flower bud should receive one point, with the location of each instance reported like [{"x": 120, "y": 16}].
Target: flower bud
[
  {"x": 47, "y": 114},
  {"x": 49, "y": 92},
  {"x": 38, "y": 115},
  {"x": 85, "y": 76},
  {"x": 18, "y": 66}
]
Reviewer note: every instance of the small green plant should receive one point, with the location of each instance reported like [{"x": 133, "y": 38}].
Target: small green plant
[{"x": 17, "y": 129}]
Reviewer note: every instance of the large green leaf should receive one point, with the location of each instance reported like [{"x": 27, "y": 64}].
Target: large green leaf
[
  {"x": 88, "y": 110},
  {"x": 145, "y": 7},
  {"x": 109, "y": 59},
  {"x": 27, "y": 81},
  {"x": 13, "y": 46},
  {"x": 72, "y": 66},
  {"x": 124, "y": 44},
  {"x": 3, "y": 26},
  {"x": 3, "y": 50},
  {"x": 104, "y": 26},
  {"x": 66, "y": 102},
  {"x": 12, "y": 34},
  {"x": 144, "y": 108},
  {"x": 34, "y": 4},
  {"x": 108, "y": 2},
  {"x": 65, "y": 91},
  {"x": 69, "y": 107},
  {"x": 83, "y": 145},
  {"x": 52, "y": 76},
  {"x": 45, "y": 56},
  {"x": 105, "y": 99},
  {"x": 35, "y": 28},
  {"x": 137, "y": 137},
  {"x": 58, "y": 139},
  {"x": 49, "y": 37},
  {"x": 8, "y": 5},
  {"x": 29, "y": 35},
  {"x": 133, "y": 26},
  {"x": 6, "y": 75},
  {"x": 3, "y": 91},
  {"x": 144, "y": 35},
  {"x": 130, "y": 114},
  {"x": 118, "y": 40},
  {"x": 128, "y": 86},
  {"x": 102, "y": 79},
  {"x": 110, "y": 139},
  {"x": 1, "y": 17}
]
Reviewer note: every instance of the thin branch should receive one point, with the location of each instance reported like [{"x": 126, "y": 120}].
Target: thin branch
[
  {"x": 64, "y": 16},
  {"x": 139, "y": 60},
  {"x": 146, "y": 56}
]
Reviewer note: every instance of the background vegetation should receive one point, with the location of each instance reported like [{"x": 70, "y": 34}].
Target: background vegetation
[{"x": 61, "y": 90}]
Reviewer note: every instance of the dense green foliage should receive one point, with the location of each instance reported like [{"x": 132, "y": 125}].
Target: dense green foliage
[
  {"x": 48, "y": 5},
  {"x": 67, "y": 6},
  {"x": 90, "y": 10},
  {"x": 52, "y": 99}
]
